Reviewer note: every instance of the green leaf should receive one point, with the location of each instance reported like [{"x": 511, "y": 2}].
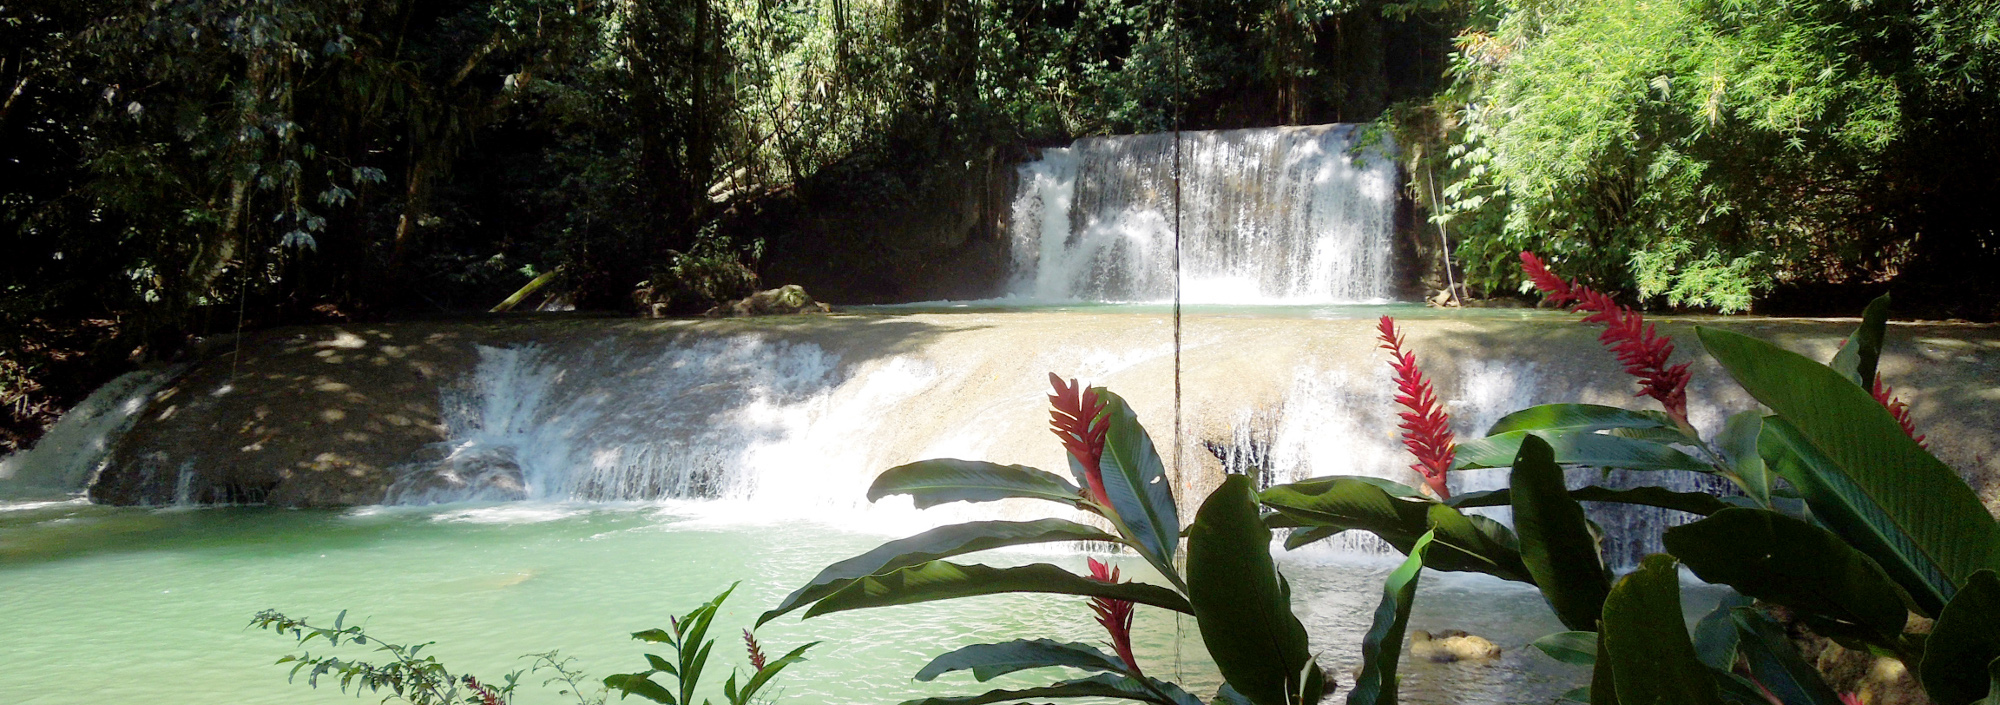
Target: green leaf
[
  {"x": 941, "y": 542},
  {"x": 1382, "y": 645},
  {"x": 1652, "y": 659},
  {"x": 1773, "y": 557},
  {"x": 1307, "y": 534},
  {"x": 941, "y": 580},
  {"x": 988, "y": 661},
  {"x": 1345, "y": 503},
  {"x": 1241, "y": 605},
  {"x": 1738, "y": 441},
  {"x": 1556, "y": 543},
  {"x": 1103, "y": 685},
  {"x": 1776, "y": 664},
  {"x": 933, "y": 482},
  {"x": 1570, "y": 647},
  {"x": 628, "y": 684},
  {"x": 1965, "y": 638},
  {"x": 1578, "y": 416},
  {"x": 1579, "y": 447},
  {"x": 1471, "y": 543},
  {"x": 1860, "y": 353},
  {"x": 1862, "y": 476},
  {"x": 1715, "y": 636},
  {"x": 1650, "y": 496},
  {"x": 1136, "y": 485}
]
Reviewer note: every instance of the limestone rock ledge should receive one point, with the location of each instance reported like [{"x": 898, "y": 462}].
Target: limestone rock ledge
[{"x": 306, "y": 417}]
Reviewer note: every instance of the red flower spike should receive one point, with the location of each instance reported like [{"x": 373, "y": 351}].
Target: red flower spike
[
  {"x": 756, "y": 650},
  {"x": 486, "y": 695},
  {"x": 1897, "y": 408},
  {"x": 1850, "y": 699},
  {"x": 1074, "y": 419},
  {"x": 1640, "y": 347},
  {"x": 1426, "y": 428},
  {"x": 1115, "y": 615}
]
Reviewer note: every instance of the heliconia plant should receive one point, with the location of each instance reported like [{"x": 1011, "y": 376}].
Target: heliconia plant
[
  {"x": 1229, "y": 583},
  {"x": 1845, "y": 520},
  {"x": 1426, "y": 428}
]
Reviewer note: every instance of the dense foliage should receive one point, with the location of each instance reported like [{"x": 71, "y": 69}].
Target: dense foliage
[
  {"x": 1708, "y": 151},
  {"x": 184, "y": 167}
]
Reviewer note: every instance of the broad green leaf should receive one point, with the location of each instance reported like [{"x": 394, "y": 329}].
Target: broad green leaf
[
  {"x": 1862, "y": 351},
  {"x": 1651, "y": 496},
  {"x": 1102, "y": 685},
  {"x": 1579, "y": 447},
  {"x": 1570, "y": 647},
  {"x": 1776, "y": 664},
  {"x": 1344, "y": 503},
  {"x": 941, "y": 542},
  {"x": 1776, "y": 558},
  {"x": 1965, "y": 639},
  {"x": 1556, "y": 542},
  {"x": 1715, "y": 636},
  {"x": 1992, "y": 690},
  {"x": 1136, "y": 484},
  {"x": 1241, "y": 605},
  {"x": 1862, "y": 476},
  {"x": 1578, "y": 416},
  {"x": 988, "y": 661},
  {"x": 933, "y": 482},
  {"x": 1308, "y": 534},
  {"x": 941, "y": 580},
  {"x": 1738, "y": 441},
  {"x": 1652, "y": 659},
  {"x": 628, "y": 684},
  {"x": 1603, "y": 688},
  {"x": 1470, "y": 543},
  {"x": 1382, "y": 645}
]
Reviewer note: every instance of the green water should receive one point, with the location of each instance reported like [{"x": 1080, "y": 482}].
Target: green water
[{"x": 105, "y": 605}]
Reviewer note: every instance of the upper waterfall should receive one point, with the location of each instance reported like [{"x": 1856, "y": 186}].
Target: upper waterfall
[{"x": 1273, "y": 215}]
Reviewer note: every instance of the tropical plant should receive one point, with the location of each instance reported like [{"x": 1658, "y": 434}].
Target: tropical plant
[
  {"x": 1230, "y": 585},
  {"x": 406, "y": 675},
  {"x": 687, "y": 636},
  {"x": 1844, "y": 520}
]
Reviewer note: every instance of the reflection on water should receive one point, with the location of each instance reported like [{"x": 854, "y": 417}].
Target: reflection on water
[{"x": 104, "y": 604}]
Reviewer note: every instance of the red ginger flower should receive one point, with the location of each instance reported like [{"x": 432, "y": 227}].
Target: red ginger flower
[
  {"x": 756, "y": 651},
  {"x": 1426, "y": 428},
  {"x": 1639, "y": 346},
  {"x": 486, "y": 695},
  {"x": 1897, "y": 408},
  {"x": 1076, "y": 421},
  {"x": 1115, "y": 615}
]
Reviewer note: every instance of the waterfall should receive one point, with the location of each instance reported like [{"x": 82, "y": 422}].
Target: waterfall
[
  {"x": 72, "y": 452},
  {"x": 1277, "y": 215}
]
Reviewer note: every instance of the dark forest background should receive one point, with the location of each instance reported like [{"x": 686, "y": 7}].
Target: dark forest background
[{"x": 174, "y": 169}]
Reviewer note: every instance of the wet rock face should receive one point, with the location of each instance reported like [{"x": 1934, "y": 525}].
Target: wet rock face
[
  {"x": 306, "y": 417},
  {"x": 482, "y": 474},
  {"x": 784, "y": 300}
]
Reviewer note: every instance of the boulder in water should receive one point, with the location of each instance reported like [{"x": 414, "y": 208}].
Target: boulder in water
[
  {"x": 1452, "y": 645},
  {"x": 787, "y": 299}
]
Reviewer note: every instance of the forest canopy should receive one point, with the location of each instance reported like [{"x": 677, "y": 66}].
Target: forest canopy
[{"x": 181, "y": 168}]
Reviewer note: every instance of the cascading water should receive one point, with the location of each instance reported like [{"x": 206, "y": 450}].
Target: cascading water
[
  {"x": 1279, "y": 215},
  {"x": 76, "y": 448}
]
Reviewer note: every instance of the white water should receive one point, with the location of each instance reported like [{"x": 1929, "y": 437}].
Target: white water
[
  {"x": 1299, "y": 215},
  {"x": 72, "y": 452}
]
